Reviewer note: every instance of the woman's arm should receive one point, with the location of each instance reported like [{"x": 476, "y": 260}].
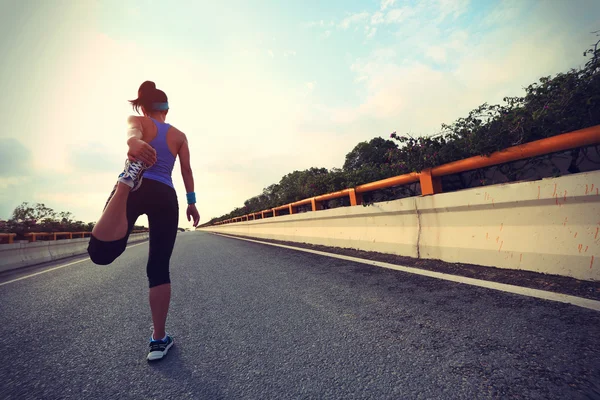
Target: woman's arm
[
  {"x": 186, "y": 168},
  {"x": 188, "y": 180},
  {"x": 138, "y": 149}
]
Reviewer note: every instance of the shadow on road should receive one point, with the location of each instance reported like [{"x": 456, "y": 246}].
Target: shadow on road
[{"x": 192, "y": 380}]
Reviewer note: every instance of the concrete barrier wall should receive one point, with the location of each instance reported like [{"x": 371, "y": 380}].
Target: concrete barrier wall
[
  {"x": 17, "y": 255},
  {"x": 550, "y": 226}
]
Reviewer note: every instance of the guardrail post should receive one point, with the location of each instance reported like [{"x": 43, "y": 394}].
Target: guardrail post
[
  {"x": 316, "y": 205},
  {"x": 355, "y": 198},
  {"x": 274, "y": 212},
  {"x": 291, "y": 209},
  {"x": 429, "y": 184}
]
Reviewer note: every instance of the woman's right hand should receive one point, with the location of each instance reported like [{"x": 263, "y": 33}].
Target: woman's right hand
[
  {"x": 192, "y": 212},
  {"x": 141, "y": 151}
]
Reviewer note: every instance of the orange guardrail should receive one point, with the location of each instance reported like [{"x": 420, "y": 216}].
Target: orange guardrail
[
  {"x": 430, "y": 179},
  {"x": 566, "y": 141},
  {"x": 33, "y": 236},
  {"x": 8, "y": 237}
]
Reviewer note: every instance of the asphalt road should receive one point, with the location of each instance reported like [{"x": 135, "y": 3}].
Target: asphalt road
[{"x": 252, "y": 321}]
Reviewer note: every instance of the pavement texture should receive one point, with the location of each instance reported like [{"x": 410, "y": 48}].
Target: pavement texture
[
  {"x": 252, "y": 321},
  {"x": 529, "y": 279}
]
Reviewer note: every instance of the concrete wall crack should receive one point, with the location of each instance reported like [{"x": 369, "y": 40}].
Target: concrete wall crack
[{"x": 418, "y": 230}]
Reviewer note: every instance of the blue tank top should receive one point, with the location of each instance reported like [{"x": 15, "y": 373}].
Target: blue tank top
[{"x": 162, "y": 169}]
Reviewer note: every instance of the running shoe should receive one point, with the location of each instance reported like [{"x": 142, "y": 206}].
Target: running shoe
[
  {"x": 159, "y": 348},
  {"x": 132, "y": 174}
]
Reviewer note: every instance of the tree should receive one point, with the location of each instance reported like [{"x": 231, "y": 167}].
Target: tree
[
  {"x": 374, "y": 152},
  {"x": 25, "y": 212},
  {"x": 40, "y": 218}
]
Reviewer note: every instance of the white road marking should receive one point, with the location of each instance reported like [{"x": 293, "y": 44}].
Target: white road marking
[
  {"x": 55, "y": 268},
  {"x": 540, "y": 294}
]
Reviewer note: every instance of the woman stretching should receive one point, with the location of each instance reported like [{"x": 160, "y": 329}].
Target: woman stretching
[{"x": 153, "y": 147}]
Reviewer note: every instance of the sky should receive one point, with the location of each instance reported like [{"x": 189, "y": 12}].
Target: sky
[{"x": 261, "y": 88}]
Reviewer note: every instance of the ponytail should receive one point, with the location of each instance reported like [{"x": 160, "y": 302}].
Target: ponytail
[{"x": 150, "y": 99}]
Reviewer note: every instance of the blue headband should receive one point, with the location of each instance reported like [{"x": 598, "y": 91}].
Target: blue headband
[{"x": 160, "y": 106}]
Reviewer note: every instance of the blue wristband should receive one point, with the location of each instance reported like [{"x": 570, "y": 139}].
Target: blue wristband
[{"x": 191, "y": 198}]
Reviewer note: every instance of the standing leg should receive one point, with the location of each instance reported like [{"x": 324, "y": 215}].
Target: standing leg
[
  {"x": 163, "y": 232},
  {"x": 160, "y": 298},
  {"x": 163, "y": 220}
]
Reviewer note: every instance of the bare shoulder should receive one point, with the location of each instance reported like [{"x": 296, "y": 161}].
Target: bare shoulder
[
  {"x": 139, "y": 121},
  {"x": 181, "y": 138}
]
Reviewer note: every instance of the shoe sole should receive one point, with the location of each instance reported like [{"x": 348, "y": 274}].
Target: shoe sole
[{"x": 159, "y": 355}]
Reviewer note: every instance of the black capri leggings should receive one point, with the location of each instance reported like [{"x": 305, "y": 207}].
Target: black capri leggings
[{"x": 159, "y": 202}]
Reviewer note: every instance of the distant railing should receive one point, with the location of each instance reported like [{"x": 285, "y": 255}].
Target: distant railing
[
  {"x": 33, "y": 236},
  {"x": 430, "y": 179},
  {"x": 7, "y": 237}
]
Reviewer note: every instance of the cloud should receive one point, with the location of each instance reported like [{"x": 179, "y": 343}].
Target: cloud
[
  {"x": 436, "y": 53},
  {"x": 354, "y": 19},
  {"x": 377, "y": 18},
  {"x": 393, "y": 16},
  {"x": 15, "y": 159},
  {"x": 434, "y": 10},
  {"x": 398, "y": 15},
  {"x": 387, "y": 3},
  {"x": 320, "y": 23},
  {"x": 96, "y": 157},
  {"x": 454, "y": 8},
  {"x": 371, "y": 32},
  {"x": 413, "y": 94},
  {"x": 7, "y": 182}
]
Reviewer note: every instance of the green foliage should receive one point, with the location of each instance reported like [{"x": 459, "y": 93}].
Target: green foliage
[
  {"x": 369, "y": 154},
  {"x": 39, "y": 218}
]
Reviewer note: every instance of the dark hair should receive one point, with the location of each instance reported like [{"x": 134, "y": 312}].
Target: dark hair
[{"x": 148, "y": 95}]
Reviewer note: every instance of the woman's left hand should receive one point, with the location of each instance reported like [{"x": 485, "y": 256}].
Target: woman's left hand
[
  {"x": 192, "y": 212},
  {"x": 142, "y": 151}
]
